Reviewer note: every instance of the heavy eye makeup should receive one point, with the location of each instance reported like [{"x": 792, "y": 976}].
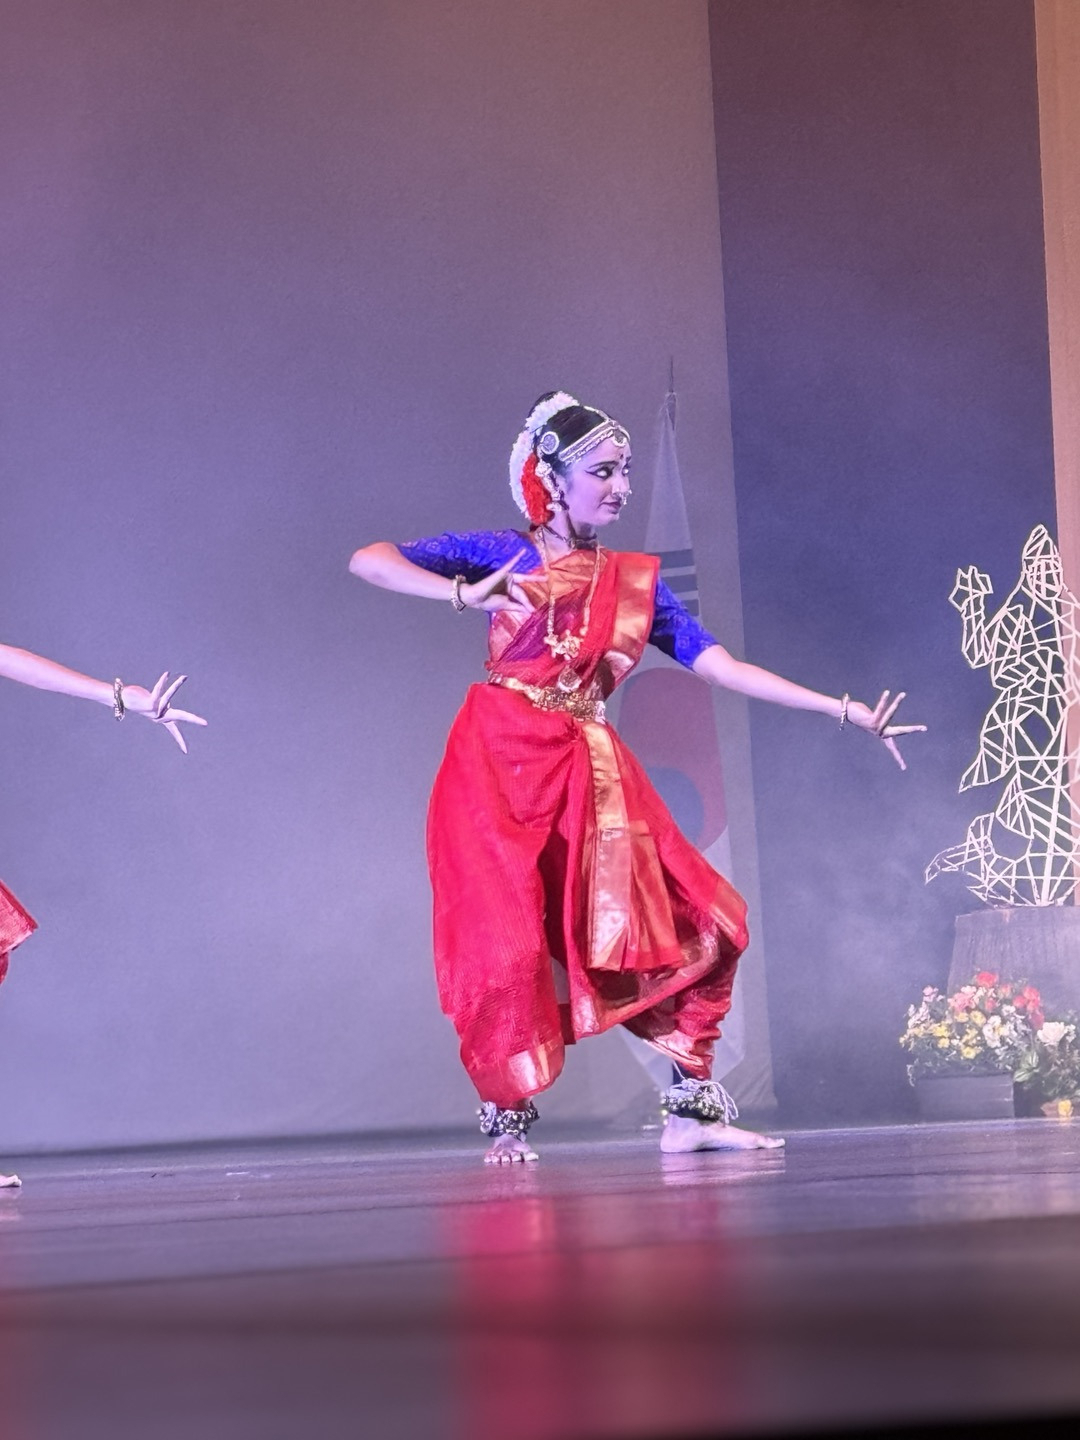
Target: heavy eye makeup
[{"x": 607, "y": 469}]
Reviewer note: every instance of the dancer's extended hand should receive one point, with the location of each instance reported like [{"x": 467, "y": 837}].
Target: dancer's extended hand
[
  {"x": 499, "y": 591},
  {"x": 877, "y": 721},
  {"x": 155, "y": 705}
]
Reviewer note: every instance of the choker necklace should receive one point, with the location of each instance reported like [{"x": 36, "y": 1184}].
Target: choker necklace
[
  {"x": 573, "y": 540},
  {"x": 567, "y": 646}
]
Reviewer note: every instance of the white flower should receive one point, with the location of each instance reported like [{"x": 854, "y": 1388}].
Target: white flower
[
  {"x": 538, "y": 418},
  {"x": 1053, "y": 1032},
  {"x": 992, "y": 1032}
]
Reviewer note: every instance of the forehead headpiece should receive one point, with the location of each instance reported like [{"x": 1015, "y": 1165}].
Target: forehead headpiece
[
  {"x": 531, "y": 479},
  {"x": 607, "y": 429}
]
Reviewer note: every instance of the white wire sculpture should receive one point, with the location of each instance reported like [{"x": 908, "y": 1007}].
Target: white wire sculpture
[{"x": 1025, "y": 852}]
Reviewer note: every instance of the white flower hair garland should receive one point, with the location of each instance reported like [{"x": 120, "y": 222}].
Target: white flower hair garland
[{"x": 523, "y": 446}]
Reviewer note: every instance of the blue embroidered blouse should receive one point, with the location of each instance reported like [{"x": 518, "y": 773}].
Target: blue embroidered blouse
[{"x": 477, "y": 553}]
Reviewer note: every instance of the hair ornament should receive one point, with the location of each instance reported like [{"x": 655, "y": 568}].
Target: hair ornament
[
  {"x": 537, "y": 492},
  {"x": 540, "y": 414},
  {"x": 549, "y": 443},
  {"x": 607, "y": 429},
  {"x": 533, "y": 489}
]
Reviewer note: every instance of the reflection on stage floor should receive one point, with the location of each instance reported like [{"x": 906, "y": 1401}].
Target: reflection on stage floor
[{"x": 399, "y": 1288}]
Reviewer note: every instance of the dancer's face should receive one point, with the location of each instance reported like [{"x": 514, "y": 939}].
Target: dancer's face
[{"x": 596, "y": 488}]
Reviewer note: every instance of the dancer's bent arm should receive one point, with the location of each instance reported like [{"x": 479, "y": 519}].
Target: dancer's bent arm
[{"x": 384, "y": 565}]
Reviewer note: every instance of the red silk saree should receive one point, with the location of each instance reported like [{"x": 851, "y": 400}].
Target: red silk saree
[
  {"x": 15, "y": 926},
  {"x": 566, "y": 899}
]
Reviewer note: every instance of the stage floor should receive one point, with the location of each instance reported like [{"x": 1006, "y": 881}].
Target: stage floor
[{"x": 873, "y": 1276}]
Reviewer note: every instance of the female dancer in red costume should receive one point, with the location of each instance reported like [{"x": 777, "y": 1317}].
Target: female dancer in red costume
[
  {"x": 566, "y": 900},
  {"x": 16, "y": 924}
]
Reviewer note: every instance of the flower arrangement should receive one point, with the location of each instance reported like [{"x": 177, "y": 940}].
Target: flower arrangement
[
  {"x": 993, "y": 1027},
  {"x": 987, "y": 1027},
  {"x": 1050, "y": 1073}
]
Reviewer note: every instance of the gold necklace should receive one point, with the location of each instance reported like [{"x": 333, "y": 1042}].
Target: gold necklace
[{"x": 567, "y": 646}]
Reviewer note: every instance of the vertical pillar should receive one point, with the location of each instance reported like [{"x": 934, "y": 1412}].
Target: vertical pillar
[
  {"x": 1057, "y": 36},
  {"x": 1057, "y": 49}
]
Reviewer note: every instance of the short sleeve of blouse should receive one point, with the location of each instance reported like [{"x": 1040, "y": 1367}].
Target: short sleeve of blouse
[
  {"x": 472, "y": 553},
  {"x": 675, "y": 631}
]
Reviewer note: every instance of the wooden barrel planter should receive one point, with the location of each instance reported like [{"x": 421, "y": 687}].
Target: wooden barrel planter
[
  {"x": 965, "y": 1097},
  {"x": 1039, "y": 943}
]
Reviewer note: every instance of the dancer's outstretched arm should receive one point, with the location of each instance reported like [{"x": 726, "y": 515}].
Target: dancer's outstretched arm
[
  {"x": 719, "y": 667},
  {"x": 26, "y": 668}
]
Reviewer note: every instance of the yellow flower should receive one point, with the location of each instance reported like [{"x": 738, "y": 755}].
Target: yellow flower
[
  {"x": 978, "y": 1018},
  {"x": 1065, "y": 1109},
  {"x": 968, "y": 1052},
  {"x": 939, "y": 1030},
  {"x": 943, "y": 1044}
]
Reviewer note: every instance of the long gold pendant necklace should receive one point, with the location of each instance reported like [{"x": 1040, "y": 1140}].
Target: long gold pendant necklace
[{"x": 567, "y": 646}]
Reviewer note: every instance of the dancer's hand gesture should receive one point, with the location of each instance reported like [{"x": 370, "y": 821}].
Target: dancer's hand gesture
[
  {"x": 499, "y": 591},
  {"x": 878, "y": 722},
  {"x": 156, "y": 705}
]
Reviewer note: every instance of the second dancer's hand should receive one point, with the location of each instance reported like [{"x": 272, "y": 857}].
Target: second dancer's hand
[
  {"x": 156, "y": 705},
  {"x": 500, "y": 590},
  {"x": 879, "y": 722}
]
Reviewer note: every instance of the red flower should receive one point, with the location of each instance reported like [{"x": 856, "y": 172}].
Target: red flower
[
  {"x": 984, "y": 977},
  {"x": 1032, "y": 995},
  {"x": 1021, "y": 1001},
  {"x": 990, "y": 1004},
  {"x": 537, "y": 499},
  {"x": 961, "y": 1002},
  {"x": 1037, "y": 1018}
]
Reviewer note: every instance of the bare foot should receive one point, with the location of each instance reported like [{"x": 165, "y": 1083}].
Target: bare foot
[
  {"x": 681, "y": 1135},
  {"x": 9, "y": 1182},
  {"x": 509, "y": 1150}
]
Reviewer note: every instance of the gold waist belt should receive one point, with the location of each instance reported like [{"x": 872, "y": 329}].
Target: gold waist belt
[{"x": 582, "y": 705}]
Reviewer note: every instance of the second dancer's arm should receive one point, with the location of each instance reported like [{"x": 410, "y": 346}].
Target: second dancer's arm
[{"x": 26, "y": 668}]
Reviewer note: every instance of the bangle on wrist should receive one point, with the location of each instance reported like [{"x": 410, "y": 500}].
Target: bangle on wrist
[
  {"x": 119, "y": 709},
  {"x": 845, "y": 700},
  {"x": 455, "y": 593}
]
